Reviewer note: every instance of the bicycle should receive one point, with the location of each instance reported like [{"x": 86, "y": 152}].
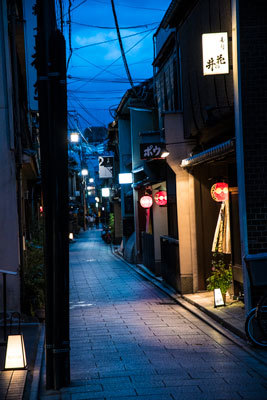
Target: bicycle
[{"x": 256, "y": 321}]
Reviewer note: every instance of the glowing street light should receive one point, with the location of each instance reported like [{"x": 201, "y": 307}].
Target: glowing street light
[
  {"x": 105, "y": 192},
  {"x": 84, "y": 172},
  {"x": 74, "y": 137}
]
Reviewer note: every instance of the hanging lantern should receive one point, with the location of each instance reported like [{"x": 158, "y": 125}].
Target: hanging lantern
[
  {"x": 161, "y": 198},
  {"x": 146, "y": 201},
  {"x": 219, "y": 191}
]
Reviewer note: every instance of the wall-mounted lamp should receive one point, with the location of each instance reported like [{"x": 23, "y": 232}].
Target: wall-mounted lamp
[{"x": 164, "y": 153}]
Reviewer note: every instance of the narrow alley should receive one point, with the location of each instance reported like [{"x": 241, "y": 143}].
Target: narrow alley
[{"x": 129, "y": 340}]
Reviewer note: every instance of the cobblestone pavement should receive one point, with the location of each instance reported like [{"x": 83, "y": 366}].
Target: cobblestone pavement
[{"x": 131, "y": 341}]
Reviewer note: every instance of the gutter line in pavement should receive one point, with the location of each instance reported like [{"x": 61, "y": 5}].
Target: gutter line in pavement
[{"x": 224, "y": 328}]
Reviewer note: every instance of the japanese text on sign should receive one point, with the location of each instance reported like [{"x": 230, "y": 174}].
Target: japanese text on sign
[
  {"x": 150, "y": 150},
  {"x": 215, "y": 53}
]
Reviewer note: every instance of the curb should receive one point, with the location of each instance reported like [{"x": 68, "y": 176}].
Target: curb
[
  {"x": 200, "y": 312},
  {"x": 36, "y": 373}
]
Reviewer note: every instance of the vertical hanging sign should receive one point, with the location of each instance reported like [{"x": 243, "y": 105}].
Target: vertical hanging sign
[
  {"x": 215, "y": 53},
  {"x": 105, "y": 167}
]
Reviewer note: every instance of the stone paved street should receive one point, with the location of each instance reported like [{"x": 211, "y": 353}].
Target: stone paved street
[{"x": 130, "y": 341}]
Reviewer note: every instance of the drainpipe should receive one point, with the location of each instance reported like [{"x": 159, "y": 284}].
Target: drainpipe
[
  {"x": 239, "y": 148},
  {"x": 18, "y": 146}
]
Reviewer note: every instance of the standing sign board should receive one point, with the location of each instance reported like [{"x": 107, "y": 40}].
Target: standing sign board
[{"x": 105, "y": 167}]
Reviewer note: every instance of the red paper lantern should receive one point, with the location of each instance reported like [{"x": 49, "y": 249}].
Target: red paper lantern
[
  {"x": 146, "y": 201},
  {"x": 219, "y": 191},
  {"x": 161, "y": 198}
]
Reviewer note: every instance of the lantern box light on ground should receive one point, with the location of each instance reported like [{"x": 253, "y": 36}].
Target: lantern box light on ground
[
  {"x": 218, "y": 298},
  {"x": 15, "y": 353},
  {"x": 105, "y": 192},
  {"x": 125, "y": 178}
]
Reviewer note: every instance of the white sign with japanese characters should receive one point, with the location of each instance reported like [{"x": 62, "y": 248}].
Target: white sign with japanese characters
[{"x": 215, "y": 53}]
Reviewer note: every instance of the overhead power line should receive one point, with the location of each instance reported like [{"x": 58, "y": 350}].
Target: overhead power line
[
  {"x": 96, "y": 66},
  {"x": 113, "y": 62},
  {"x": 113, "y": 27},
  {"x": 112, "y": 40},
  {"x": 121, "y": 47},
  {"x": 128, "y": 6}
]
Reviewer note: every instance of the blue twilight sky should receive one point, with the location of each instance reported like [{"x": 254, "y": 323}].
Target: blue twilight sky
[{"x": 97, "y": 78}]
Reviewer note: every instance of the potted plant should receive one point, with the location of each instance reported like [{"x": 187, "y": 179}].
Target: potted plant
[{"x": 221, "y": 274}]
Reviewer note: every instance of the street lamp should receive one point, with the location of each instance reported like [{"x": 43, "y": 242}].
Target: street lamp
[
  {"x": 74, "y": 137},
  {"x": 105, "y": 192},
  {"x": 84, "y": 172}
]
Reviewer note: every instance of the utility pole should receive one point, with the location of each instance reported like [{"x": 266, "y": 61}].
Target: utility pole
[{"x": 52, "y": 99}]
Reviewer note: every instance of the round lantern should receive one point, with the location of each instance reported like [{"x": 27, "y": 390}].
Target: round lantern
[
  {"x": 146, "y": 201},
  {"x": 161, "y": 198},
  {"x": 219, "y": 191}
]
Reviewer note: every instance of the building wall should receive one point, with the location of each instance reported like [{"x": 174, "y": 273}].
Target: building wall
[
  {"x": 141, "y": 120},
  {"x": 205, "y": 98},
  {"x": 9, "y": 243},
  {"x": 185, "y": 194},
  {"x": 253, "y": 61}
]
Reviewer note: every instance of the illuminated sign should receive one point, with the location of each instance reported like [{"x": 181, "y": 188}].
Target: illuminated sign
[
  {"x": 218, "y": 298},
  {"x": 215, "y": 53},
  {"x": 105, "y": 167},
  {"x": 219, "y": 191},
  {"x": 161, "y": 198},
  {"x": 146, "y": 201},
  {"x": 125, "y": 178},
  {"x": 150, "y": 151}
]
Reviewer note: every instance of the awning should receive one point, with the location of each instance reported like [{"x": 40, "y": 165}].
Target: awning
[{"x": 210, "y": 154}]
